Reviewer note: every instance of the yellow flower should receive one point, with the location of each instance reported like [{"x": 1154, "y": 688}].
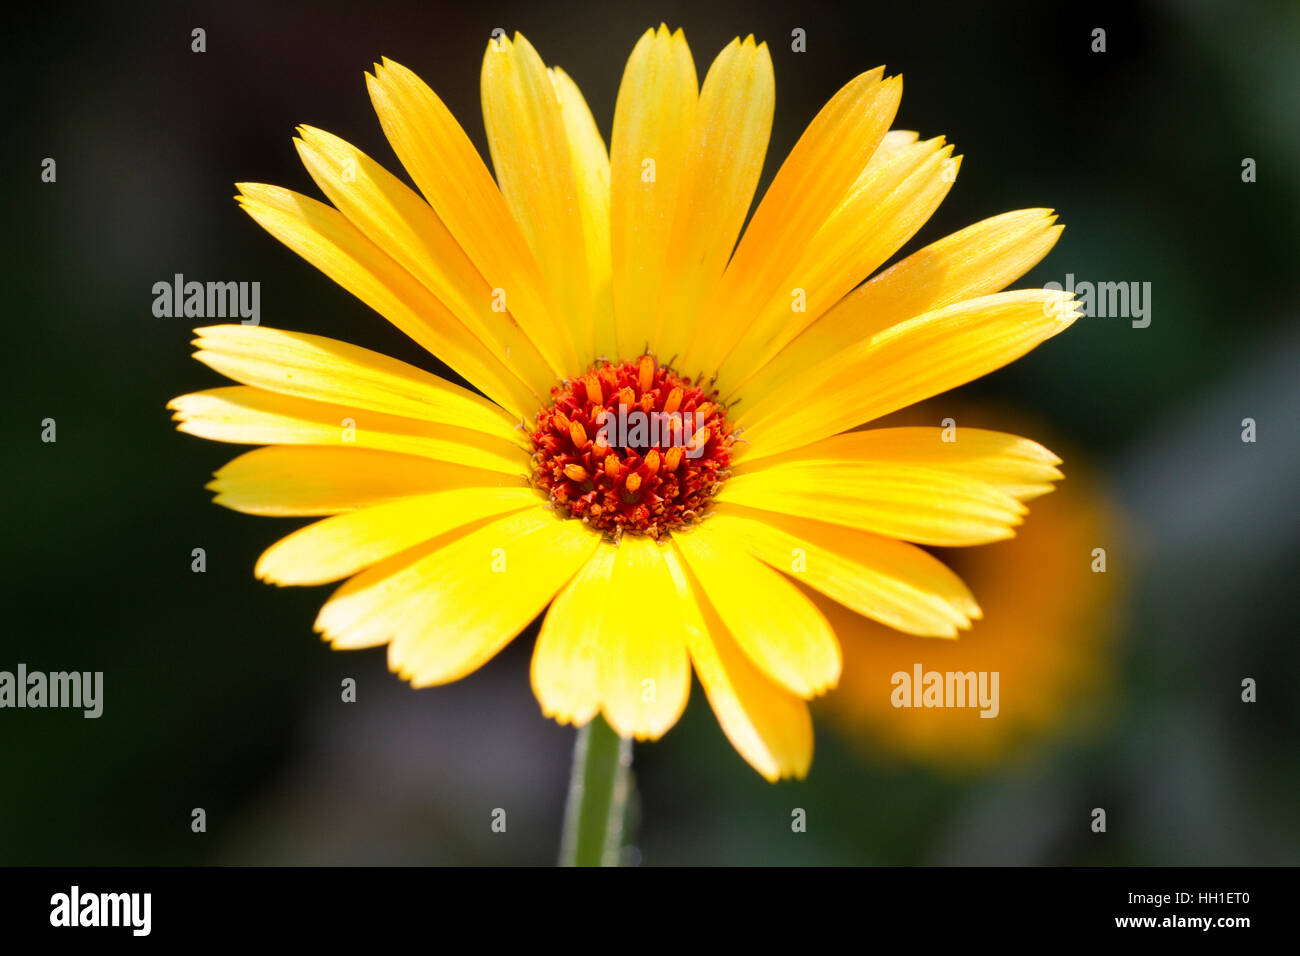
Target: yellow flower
[
  {"x": 583, "y": 283},
  {"x": 1050, "y": 611}
]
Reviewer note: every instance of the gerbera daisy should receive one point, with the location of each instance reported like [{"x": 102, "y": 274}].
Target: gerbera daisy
[{"x": 582, "y": 285}]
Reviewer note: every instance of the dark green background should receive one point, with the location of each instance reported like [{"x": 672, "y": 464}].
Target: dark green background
[{"x": 219, "y": 696}]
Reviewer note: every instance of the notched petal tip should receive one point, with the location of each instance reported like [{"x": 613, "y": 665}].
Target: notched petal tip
[
  {"x": 565, "y": 717},
  {"x": 261, "y": 573},
  {"x": 318, "y": 137}
]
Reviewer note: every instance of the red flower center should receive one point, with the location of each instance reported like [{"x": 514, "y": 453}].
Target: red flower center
[{"x": 632, "y": 448}]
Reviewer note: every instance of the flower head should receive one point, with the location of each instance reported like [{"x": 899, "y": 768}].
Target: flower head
[{"x": 653, "y": 443}]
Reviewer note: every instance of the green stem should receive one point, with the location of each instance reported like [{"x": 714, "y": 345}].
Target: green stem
[{"x": 599, "y": 790}]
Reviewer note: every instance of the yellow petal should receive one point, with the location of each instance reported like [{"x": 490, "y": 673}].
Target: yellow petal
[
  {"x": 778, "y": 628},
  {"x": 403, "y": 225},
  {"x": 891, "y": 200},
  {"x": 654, "y": 122},
  {"x": 770, "y": 727},
  {"x": 252, "y": 416},
  {"x": 323, "y": 236},
  {"x": 448, "y": 606},
  {"x": 591, "y": 176},
  {"x": 298, "y": 481},
  {"x": 340, "y": 546},
  {"x": 327, "y": 370},
  {"x": 979, "y": 260},
  {"x": 816, "y": 175},
  {"x": 810, "y": 185},
  {"x": 1016, "y": 466},
  {"x": 895, "y": 583},
  {"x": 528, "y": 138},
  {"x": 595, "y": 652},
  {"x": 904, "y": 364},
  {"x": 897, "y": 500},
  {"x": 568, "y": 653},
  {"x": 449, "y": 172},
  {"x": 644, "y": 675},
  {"x": 733, "y": 121}
]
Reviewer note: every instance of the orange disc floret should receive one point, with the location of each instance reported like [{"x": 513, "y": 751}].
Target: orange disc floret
[{"x": 632, "y": 448}]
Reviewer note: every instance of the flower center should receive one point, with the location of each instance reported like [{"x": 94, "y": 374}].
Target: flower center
[{"x": 632, "y": 448}]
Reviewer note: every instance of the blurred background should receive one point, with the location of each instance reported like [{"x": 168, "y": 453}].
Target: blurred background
[{"x": 1121, "y": 690}]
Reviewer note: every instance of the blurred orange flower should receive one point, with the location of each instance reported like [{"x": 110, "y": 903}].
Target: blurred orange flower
[{"x": 1050, "y": 615}]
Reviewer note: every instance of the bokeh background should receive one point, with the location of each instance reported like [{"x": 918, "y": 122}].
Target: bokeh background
[{"x": 219, "y": 696}]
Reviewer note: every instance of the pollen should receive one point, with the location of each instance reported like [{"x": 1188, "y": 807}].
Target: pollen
[{"x": 632, "y": 448}]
